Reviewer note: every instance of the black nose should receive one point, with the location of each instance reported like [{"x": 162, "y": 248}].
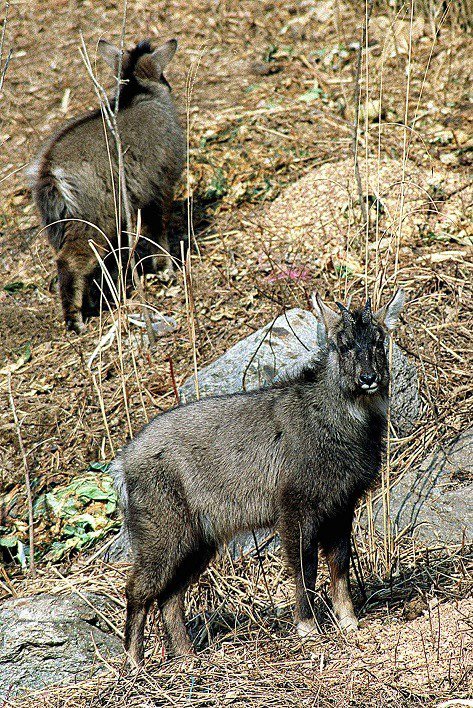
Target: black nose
[{"x": 368, "y": 378}]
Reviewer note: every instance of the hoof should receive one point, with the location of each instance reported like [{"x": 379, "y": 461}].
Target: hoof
[
  {"x": 134, "y": 663},
  {"x": 306, "y": 629},
  {"x": 348, "y": 624},
  {"x": 168, "y": 275},
  {"x": 76, "y": 325}
]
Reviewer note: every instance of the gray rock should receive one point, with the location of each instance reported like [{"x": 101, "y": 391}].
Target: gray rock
[
  {"x": 267, "y": 541},
  {"x": 119, "y": 551},
  {"x": 289, "y": 341},
  {"x": 49, "y": 639},
  {"x": 240, "y": 546},
  {"x": 435, "y": 501},
  {"x": 405, "y": 400},
  {"x": 254, "y": 361}
]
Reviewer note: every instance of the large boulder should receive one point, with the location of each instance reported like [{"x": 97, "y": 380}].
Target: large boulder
[
  {"x": 434, "y": 502},
  {"x": 51, "y": 639},
  {"x": 289, "y": 341},
  {"x": 255, "y": 361}
]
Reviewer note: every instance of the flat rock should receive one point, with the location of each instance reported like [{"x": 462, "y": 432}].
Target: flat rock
[
  {"x": 49, "y": 639},
  {"x": 290, "y": 340},
  {"x": 435, "y": 500}
]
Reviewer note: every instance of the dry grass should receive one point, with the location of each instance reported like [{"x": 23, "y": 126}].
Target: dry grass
[
  {"x": 415, "y": 644},
  {"x": 276, "y": 215}
]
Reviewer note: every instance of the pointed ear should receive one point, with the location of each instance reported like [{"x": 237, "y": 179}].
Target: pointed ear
[
  {"x": 109, "y": 52},
  {"x": 389, "y": 314},
  {"x": 163, "y": 54},
  {"x": 324, "y": 314}
]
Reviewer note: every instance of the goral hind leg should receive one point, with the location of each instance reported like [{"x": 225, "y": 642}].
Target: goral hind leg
[{"x": 75, "y": 263}]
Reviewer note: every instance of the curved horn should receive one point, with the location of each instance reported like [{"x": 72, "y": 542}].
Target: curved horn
[
  {"x": 346, "y": 316},
  {"x": 366, "y": 314}
]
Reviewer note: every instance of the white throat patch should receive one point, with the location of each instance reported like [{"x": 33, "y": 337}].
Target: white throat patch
[{"x": 357, "y": 411}]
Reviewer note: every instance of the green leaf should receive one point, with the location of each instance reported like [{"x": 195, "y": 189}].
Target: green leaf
[
  {"x": 26, "y": 352},
  {"x": 79, "y": 525},
  {"x": 51, "y": 503},
  {"x": 14, "y": 287},
  {"x": 21, "y": 555},
  {"x": 101, "y": 466},
  {"x": 343, "y": 270},
  {"x": 68, "y": 508},
  {"x": 110, "y": 507},
  {"x": 218, "y": 185},
  {"x": 10, "y": 541},
  {"x": 56, "y": 551},
  {"x": 270, "y": 53},
  {"x": 89, "y": 491},
  {"x": 25, "y": 355},
  {"x": 312, "y": 95}
]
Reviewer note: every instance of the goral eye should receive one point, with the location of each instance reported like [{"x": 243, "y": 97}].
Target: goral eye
[{"x": 343, "y": 349}]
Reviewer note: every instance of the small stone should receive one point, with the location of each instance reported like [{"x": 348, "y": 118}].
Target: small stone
[
  {"x": 265, "y": 68},
  {"x": 372, "y": 110},
  {"x": 448, "y": 158},
  {"x": 414, "y": 608}
]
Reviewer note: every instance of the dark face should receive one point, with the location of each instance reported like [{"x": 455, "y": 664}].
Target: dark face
[{"x": 359, "y": 344}]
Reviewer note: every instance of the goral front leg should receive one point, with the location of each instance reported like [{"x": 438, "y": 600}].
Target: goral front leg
[
  {"x": 335, "y": 542},
  {"x": 299, "y": 540}
]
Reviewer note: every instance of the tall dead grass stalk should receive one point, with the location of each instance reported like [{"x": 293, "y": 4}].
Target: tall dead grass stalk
[
  {"x": 26, "y": 470},
  {"x": 387, "y": 272},
  {"x": 4, "y": 65},
  {"x": 186, "y": 257}
]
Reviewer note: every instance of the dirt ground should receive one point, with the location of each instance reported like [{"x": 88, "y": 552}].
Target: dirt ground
[{"x": 276, "y": 215}]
